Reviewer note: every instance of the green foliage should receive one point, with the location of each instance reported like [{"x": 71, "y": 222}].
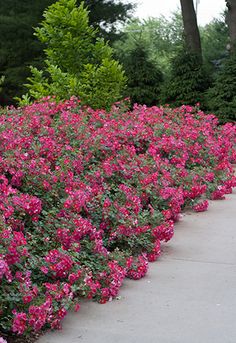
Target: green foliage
[
  {"x": 19, "y": 48},
  {"x": 187, "y": 82},
  {"x": 221, "y": 97},
  {"x": 2, "y": 78},
  {"x": 160, "y": 37},
  {"x": 145, "y": 48},
  {"x": 106, "y": 14},
  {"x": 214, "y": 39},
  {"x": 77, "y": 62},
  {"x": 144, "y": 78}
]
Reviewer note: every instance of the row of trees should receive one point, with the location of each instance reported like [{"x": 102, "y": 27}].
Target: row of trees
[
  {"x": 165, "y": 61},
  {"x": 197, "y": 66},
  {"x": 220, "y": 97}
]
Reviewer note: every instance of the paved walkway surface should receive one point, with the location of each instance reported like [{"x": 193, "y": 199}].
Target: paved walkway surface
[{"x": 188, "y": 295}]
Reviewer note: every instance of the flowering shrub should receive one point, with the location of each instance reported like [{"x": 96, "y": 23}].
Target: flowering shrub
[{"x": 87, "y": 198}]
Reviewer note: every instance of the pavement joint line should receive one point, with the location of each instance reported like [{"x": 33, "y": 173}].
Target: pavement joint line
[{"x": 199, "y": 261}]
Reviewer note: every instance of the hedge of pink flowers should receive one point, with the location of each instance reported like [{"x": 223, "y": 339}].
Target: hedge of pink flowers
[{"x": 88, "y": 197}]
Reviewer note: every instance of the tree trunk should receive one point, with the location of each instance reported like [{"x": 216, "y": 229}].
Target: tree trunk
[
  {"x": 231, "y": 21},
  {"x": 191, "y": 30}
]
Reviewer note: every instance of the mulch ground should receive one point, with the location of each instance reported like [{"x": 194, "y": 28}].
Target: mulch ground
[{"x": 20, "y": 339}]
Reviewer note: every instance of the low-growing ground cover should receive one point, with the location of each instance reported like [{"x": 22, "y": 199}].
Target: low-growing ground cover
[{"x": 87, "y": 197}]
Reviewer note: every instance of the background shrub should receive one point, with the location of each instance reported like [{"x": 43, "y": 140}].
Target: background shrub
[
  {"x": 144, "y": 77},
  {"x": 221, "y": 98},
  {"x": 187, "y": 82}
]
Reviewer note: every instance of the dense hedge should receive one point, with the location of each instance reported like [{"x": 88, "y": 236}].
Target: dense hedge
[{"x": 87, "y": 197}]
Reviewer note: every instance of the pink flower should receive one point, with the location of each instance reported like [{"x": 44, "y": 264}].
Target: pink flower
[
  {"x": 44, "y": 269},
  {"x": 30, "y": 204},
  {"x": 3, "y": 268},
  {"x": 19, "y": 322},
  {"x": 155, "y": 253},
  {"x": 219, "y": 193},
  {"x": 138, "y": 268},
  {"x": 77, "y": 307},
  {"x": 201, "y": 206},
  {"x": 88, "y": 196}
]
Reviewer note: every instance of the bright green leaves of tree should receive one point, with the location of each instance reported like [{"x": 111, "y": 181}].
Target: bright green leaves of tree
[{"x": 77, "y": 63}]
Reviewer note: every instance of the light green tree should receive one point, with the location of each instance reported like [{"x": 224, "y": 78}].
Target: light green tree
[{"x": 77, "y": 62}]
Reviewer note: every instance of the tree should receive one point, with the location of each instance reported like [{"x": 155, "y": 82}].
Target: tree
[
  {"x": 231, "y": 21},
  {"x": 77, "y": 63},
  {"x": 144, "y": 78},
  {"x": 19, "y": 48},
  {"x": 160, "y": 37},
  {"x": 106, "y": 14},
  {"x": 187, "y": 82},
  {"x": 191, "y": 30},
  {"x": 188, "y": 79},
  {"x": 221, "y": 98},
  {"x": 214, "y": 39},
  {"x": 2, "y": 78}
]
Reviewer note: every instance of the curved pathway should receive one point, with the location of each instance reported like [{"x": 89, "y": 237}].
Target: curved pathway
[{"x": 188, "y": 295}]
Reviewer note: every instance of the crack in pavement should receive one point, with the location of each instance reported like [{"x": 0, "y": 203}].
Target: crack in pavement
[{"x": 200, "y": 261}]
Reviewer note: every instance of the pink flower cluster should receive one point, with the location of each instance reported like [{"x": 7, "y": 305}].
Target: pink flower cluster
[
  {"x": 29, "y": 204},
  {"x": 201, "y": 206},
  {"x": 88, "y": 197},
  {"x": 137, "y": 267}
]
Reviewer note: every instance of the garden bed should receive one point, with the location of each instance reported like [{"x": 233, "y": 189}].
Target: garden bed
[{"x": 87, "y": 198}]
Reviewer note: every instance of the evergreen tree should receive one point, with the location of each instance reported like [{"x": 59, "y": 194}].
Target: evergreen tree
[
  {"x": 106, "y": 14},
  {"x": 187, "y": 82},
  {"x": 221, "y": 98},
  {"x": 19, "y": 48},
  {"x": 160, "y": 37},
  {"x": 214, "y": 38},
  {"x": 144, "y": 77}
]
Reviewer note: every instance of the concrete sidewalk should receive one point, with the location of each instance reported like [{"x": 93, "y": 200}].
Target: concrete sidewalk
[{"x": 188, "y": 295}]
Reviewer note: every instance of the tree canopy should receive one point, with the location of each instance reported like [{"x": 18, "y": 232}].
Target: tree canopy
[
  {"x": 19, "y": 48},
  {"x": 160, "y": 37},
  {"x": 77, "y": 61}
]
